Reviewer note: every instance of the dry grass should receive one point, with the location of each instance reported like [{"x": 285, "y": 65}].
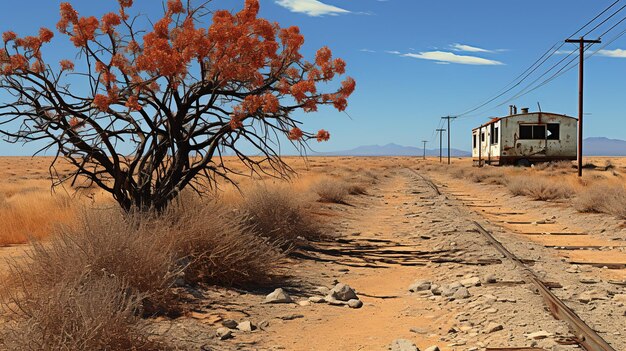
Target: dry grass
[
  {"x": 31, "y": 214},
  {"x": 332, "y": 190},
  {"x": 539, "y": 188},
  {"x": 603, "y": 198},
  {"x": 95, "y": 311},
  {"x": 277, "y": 214},
  {"x": 218, "y": 247},
  {"x": 134, "y": 248}
]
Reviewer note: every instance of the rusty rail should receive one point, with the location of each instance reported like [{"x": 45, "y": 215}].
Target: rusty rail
[
  {"x": 428, "y": 181},
  {"x": 584, "y": 335}
]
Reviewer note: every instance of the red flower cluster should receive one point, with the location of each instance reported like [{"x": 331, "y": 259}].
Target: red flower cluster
[
  {"x": 66, "y": 65},
  {"x": 295, "y": 134},
  {"x": 322, "y": 135}
]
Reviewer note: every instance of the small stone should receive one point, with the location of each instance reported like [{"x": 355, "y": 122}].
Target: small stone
[
  {"x": 290, "y": 317},
  {"x": 455, "y": 285},
  {"x": 355, "y": 303},
  {"x": 592, "y": 295},
  {"x": 342, "y": 292},
  {"x": 304, "y": 303},
  {"x": 317, "y": 299},
  {"x": 538, "y": 335},
  {"x": 403, "y": 345},
  {"x": 229, "y": 323},
  {"x": 322, "y": 290},
  {"x": 420, "y": 285},
  {"x": 493, "y": 327},
  {"x": 489, "y": 279},
  {"x": 462, "y": 293},
  {"x": 278, "y": 296},
  {"x": 246, "y": 326},
  {"x": 433, "y": 348},
  {"x": 418, "y": 330},
  {"x": 475, "y": 281},
  {"x": 224, "y": 333},
  {"x": 435, "y": 289},
  {"x": 264, "y": 324}
]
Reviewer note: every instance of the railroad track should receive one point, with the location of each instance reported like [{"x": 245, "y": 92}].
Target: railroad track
[{"x": 584, "y": 335}]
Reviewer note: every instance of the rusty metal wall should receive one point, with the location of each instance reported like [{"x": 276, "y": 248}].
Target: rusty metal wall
[{"x": 510, "y": 146}]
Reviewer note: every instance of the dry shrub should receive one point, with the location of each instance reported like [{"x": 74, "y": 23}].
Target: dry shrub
[
  {"x": 135, "y": 248},
  {"x": 216, "y": 246},
  {"x": 95, "y": 311},
  {"x": 458, "y": 173},
  {"x": 332, "y": 190},
  {"x": 539, "y": 188},
  {"x": 604, "y": 198},
  {"x": 276, "y": 214},
  {"x": 487, "y": 175}
]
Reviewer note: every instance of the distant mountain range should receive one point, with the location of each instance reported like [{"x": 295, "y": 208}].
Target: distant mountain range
[
  {"x": 595, "y": 146},
  {"x": 600, "y": 146},
  {"x": 391, "y": 150}
]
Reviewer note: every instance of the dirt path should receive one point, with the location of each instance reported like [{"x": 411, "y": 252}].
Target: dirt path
[
  {"x": 400, "y": 233},
  {"x": 584, "y": 253}
]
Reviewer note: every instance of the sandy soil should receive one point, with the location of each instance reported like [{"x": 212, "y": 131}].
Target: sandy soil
[{"x": 400, "y": 232}]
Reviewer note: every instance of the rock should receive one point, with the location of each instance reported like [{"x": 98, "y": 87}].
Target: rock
[
  {"x": 435, "y": 289},
  {"x": 433, "y": 348},
  {"x": 620, "y": 298},
  {"x": 447, "y": 292},
  {"x": 246, "y": 326},
  {"x": 322, "y": 290},
  {"x": 224, "y": 333},
  {"x": 264, "y": 324},
  {"x": 418, "y": 330},
  {"x": 493, "y": 327},
  {"x": 462, "y": 293},
  {"x": 402, "y": 345},
  {"x": 304, "y": 303},
  {"x": 355, "y": 303},
  {"x": 229, "y": 323},
  {"x": 289, "y": 317},
  {"x": 343, "y": 292},
  {"x": 592, "y": 295},
  {"x": 489, "y": 279},
  {"x": 469, "y": 282},
  {"x": 454, "y": 285},
  {"x": 317, "y": 299},
  {"x": 538, "y": 335},
  {"x": 420, "y": 285},
  {"x": 278, "y": 296}
]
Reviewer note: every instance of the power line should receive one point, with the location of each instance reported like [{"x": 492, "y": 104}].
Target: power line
[{"x": 545, "y": 57}]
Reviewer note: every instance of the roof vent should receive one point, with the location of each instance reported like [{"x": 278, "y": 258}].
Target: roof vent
[{"x": 524, "y": 110}]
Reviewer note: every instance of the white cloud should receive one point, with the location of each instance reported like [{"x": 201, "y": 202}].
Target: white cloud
[
  {"x": 367, "y": 50},
  {"x": 313, "y": 8},
  {"x": 618, "y": 53},
  {"x": 468, "y": 48},
  {"x": 449, "y": 57}
]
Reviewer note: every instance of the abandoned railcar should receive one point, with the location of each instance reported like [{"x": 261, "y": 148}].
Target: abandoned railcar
[{"x": 525, "y": 138}]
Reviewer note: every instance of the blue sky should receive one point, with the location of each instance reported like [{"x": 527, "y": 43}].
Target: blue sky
[{"x": 415, "y": 61}]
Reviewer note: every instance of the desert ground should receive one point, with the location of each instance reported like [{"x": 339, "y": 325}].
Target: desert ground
[{"x": 398, "y": 262}]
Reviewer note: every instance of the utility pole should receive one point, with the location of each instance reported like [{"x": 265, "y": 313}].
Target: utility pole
[
  {"x": 424, "y": 148},
  {"x": 448, "y": 118},
  {"x": 581, "y": 41},
  {"x": 440, "y": 131}
]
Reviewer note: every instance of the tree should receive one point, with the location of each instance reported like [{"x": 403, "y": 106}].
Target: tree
[{"x": 177, "y": 95}]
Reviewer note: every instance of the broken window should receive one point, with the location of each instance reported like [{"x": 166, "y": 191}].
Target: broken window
[
  {"x": 482, "y": 137},
  {"x": 539, "y": 132},
  {"x": 495, "y": 135},
  {"x": 525, "y": 132},
  {"x": 536, "y": 131},
  {"x": 554, "y": 131},
  {"x": 474, "y": 140}
]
